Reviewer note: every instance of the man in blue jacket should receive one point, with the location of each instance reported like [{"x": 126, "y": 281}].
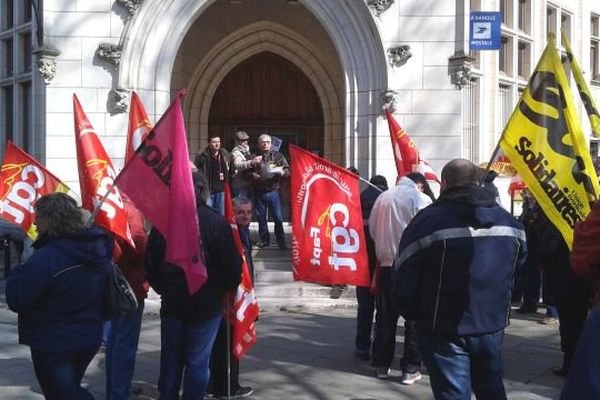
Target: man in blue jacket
[{"x": 453, "y": 274}]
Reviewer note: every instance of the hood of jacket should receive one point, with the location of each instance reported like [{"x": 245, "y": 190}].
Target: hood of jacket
[
  {"x": 469, "y": 194},
  {"x": 87, "y": 247}
]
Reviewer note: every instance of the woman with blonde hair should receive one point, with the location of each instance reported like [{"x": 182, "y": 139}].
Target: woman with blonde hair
[{"x": 58, "y": 294}]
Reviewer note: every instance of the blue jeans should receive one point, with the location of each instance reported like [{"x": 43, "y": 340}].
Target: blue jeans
[
  {"x": 457, "y": 364},
  {"x": 121, "y": 349},
  {"x": 272, "y": 201},
  {"x": 185, "y": 345},
  {"x": 217, "y": 201},
  {"x": 60, "y": 373}
]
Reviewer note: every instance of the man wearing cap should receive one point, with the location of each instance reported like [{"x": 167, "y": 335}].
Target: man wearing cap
[
  {"x": 213, "y": 164},
  {"x": 242, "y": 162}
]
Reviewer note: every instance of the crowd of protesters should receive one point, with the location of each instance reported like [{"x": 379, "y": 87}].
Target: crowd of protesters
[{"x": 449, "y": 266}]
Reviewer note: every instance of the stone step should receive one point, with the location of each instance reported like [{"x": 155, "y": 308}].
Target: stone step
[
  {"x": 270, "y": 276},
  {"x": 291, "y": 290},
  {"x": 304, "y": 304}
]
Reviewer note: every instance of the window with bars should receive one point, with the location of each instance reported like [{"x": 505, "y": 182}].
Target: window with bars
[
  {"x": 471, "y": 114},
  {"x": 551, "y": 16},
  {"x": 16, "y": 88},
  {"x": 565, "y": 26},
  {"x": 524, "y": 15},
  {"x": 505, "y": 56},
  {"x": 595, "y": 48},
  {"x": 506, "y": 9},
  {"x": 524, "y": 60}
]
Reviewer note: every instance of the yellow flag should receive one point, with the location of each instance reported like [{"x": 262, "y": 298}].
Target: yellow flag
[
  {"x": 584, "y": 90},
  {"x": 545, "y": 144}
]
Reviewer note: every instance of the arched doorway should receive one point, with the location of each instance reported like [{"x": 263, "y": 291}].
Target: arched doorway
[
  {"x": 154, "y": 40},
  {"x": 268, "y": 94}
]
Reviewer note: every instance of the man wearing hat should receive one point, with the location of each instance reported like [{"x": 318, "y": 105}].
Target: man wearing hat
[{"x": 242, "y": 162}]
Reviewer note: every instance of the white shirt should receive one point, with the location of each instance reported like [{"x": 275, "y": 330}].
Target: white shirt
[{"x": 390, "y": 215}]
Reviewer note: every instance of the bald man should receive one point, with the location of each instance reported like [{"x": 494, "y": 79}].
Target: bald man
[{"x": 453, "y": 274}]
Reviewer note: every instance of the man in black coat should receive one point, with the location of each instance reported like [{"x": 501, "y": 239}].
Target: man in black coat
[{"x": 189, "y": 323}]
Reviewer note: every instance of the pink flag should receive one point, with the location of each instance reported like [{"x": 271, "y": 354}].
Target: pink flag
[{"x": 158, "y": 180}]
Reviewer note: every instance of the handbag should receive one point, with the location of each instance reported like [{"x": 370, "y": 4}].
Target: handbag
[{"x": 119, "y": 299}]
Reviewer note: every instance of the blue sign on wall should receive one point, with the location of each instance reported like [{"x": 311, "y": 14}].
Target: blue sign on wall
[{"x": 484, "y": 30}]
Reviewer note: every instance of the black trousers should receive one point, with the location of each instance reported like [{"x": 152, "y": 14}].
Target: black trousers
[
  {"x": 571, "y": 316},
  {"x": 218, "y": 364},
  {"x": 386, "y": 322}
]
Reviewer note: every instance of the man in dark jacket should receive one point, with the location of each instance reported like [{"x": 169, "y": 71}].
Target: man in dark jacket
[
  {"x": 213, "y": 164},
  {"x": 219, "y": 377},
  {"x": 366, "y": 300},
  {"x": 267, "y": 176},
  {"x": 189, "y": 323},
  {"x": 453, "y": 273}
]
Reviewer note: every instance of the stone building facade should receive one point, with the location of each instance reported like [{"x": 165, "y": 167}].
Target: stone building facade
[{"x": 316, "y": 72}]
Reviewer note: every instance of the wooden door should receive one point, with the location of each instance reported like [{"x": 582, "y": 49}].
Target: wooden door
[{"x": 268, "y": 94}]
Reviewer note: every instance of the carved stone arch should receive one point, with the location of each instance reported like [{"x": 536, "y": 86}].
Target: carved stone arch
[{"x": 153, "y": 36}]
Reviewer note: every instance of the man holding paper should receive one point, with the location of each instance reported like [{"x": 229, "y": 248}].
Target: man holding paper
[{"x": 267, "y": 176}]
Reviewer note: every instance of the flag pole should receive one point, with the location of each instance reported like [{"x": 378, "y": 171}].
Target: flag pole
[
  {"x": 369, "y": 183},
  {"x": 494, "y": 154},
  {"x": 228, "y": 310}
]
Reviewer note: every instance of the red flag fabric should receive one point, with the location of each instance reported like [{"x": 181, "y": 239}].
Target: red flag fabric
[
  {"x": 138, "y": 128},
  {"x": 245, "y": 308},
  {"x": 158, "y": 180},
  {"x": 23, "y": 180},
  {"x": 406, "y": 154},
  {"x": 96, "y": 177},
  {"x": 516, "y": 184},
  {"x": 327, "y": 228}
]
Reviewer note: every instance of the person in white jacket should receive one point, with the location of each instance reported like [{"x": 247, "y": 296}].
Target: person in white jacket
[{"x": 390, "y": 215}]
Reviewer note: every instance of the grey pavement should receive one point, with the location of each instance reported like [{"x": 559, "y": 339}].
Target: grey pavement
[
  {"x": 304, "y": 349},
  {"x": 302, "y": 355}
]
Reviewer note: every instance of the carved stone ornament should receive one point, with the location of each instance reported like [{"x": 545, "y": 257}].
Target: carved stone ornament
[
  {"x": 131, "y": 5},
  {"x": 380, "y": 6},
  {"x": 110, "y": 52},
  {"x": 46, "y": 63},
  {"x": 388, "y": 100},
  {"x": 118, "y": 100},
  {"x": 461, "y": 66},
  {"x": 399, "y": 55}
]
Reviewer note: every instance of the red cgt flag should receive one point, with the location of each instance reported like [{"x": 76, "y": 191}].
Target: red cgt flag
[
  {"x": 96, "y": 177},
  {"x": 245, "y": 307},
  {"x": 327, "y": 228},
  {"x": 406, "y": 154},
  {"x": 23, "y": 180},
  {"x": 139, "y": 126}
]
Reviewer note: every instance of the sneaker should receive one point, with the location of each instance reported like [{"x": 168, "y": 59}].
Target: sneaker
[
  {"x": 242, "y": 392},
  {"x": 262, "y": 244},
  {"x": 382, "y": 372},
  {"x": 527, "y": 309},
  {"x": 409, "y": 379},
  {"x": 548, "y": 321}
]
